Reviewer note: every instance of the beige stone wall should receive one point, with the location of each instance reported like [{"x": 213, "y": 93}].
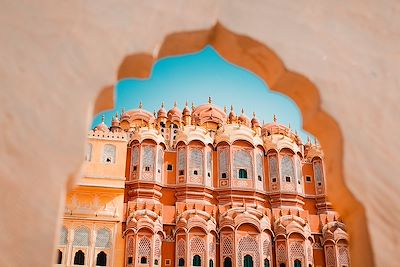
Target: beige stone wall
[{"x": 58, "y": 55}]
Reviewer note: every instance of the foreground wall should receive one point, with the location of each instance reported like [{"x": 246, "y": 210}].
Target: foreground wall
[{"x": 57, "y": 56}]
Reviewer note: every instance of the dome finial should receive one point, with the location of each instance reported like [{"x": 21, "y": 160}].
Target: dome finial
[
  {"x": 308, "y": 139},
  {"x": 162, "y": 104},
  {"x": 116, "y": 114},
  {"x": 154, "y": 113},
  {"x": 102, "y": 118},
  {"x": 315, "y": 140},
  {"x": 209, "y": 100},
  {"x": 231, "y": 107},
  {"x": 254, "y": 114},
  {"x": 140, "y": 104},
  {"x": 242, "y": 111},
  {"x": 175, "y": 104},
  {"x": 225, "y": 109},
  {"x": 274, "y": 118},
  {"x": 186, "y": 104},
  {"x": 289, "y": 126}
]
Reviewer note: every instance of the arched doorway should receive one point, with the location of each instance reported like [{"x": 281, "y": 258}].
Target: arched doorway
[
  {"x": 297, "y": 263},
  {"x": 227, "y": 262},
  {"x": 248, "y": 261}
]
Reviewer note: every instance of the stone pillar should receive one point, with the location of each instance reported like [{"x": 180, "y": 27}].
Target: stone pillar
[{"x": 68, "y": 250}]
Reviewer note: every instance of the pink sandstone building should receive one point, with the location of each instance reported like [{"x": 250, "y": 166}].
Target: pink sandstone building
[{"x": 200, "y": 187}]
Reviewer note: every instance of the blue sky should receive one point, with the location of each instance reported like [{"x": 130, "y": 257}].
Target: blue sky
[{"x": 195, "y": 77}]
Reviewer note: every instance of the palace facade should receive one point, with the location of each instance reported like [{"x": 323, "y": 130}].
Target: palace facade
[{"x": 200, "y": 187}]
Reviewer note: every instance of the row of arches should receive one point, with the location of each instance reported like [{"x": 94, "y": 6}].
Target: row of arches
[
  {"x": 108, "y": 155},
  {"x": 80, "y": 258}
]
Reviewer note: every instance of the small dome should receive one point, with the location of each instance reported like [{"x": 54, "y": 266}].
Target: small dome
[
  {"x": 101, "y": 127},
  {"x": 115, "y": 121},
  {"x": 254, "y": 121},
  {"x": 232, "y": 116},
  {"x": 140, "y": 114},
  {"x": 186, "y": 110},
  {"x": 209, "y": 113},
  {"x": 162, "y": 113},
  {"x": 243, "y": 119},
  {"x": 174, "y": 114}
]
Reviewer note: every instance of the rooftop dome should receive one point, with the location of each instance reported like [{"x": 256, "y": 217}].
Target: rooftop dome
[
  {"x": 186, "y": 110},
  {"x": 209, "y": 113},
  {"x": 101, "y": 127},
  {"x": 243, "y": 119},
  {"x": 162, "y": 113},
  {"x": 174, "y": 114}
]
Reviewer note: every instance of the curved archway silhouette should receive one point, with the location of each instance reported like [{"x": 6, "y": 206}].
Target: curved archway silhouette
[{"x": 262, "y": 61}]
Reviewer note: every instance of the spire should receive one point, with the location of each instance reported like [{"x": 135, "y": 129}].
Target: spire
[
  {"x": 225, "y": 109},
  {"x": 140, "y": 104},
  {"x": 102, "y": 119},
  {"x": 232, "y": 108},
  {"x": 242, "y": 111},
  {"x": 186, "y": 104},
  {"x": 193, "y": 107},
  {"x": 116, "y": 115},
  {"x": 315, "y": 140},
  {"x": 274, "y": 118},
  {"x": 175, "y": 104},
  {"x": 154, "y": 113},
  {"x": 209, "y": 100},
  {"x": 308, "y": 139},
  {"x": 162, "y": 104},
  {"x": 254, "y": 114},
  {"x": 289, "y": 126}
]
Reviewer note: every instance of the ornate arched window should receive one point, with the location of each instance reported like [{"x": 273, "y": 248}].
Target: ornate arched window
[
  {"x": 181, "y": 262},
  {"x": 181, "y": 161},
  {"x": 242, "y": 164},
  {"x": 223, "y": 162},
  {"x": 196, "y": 260},
  {"x": 109, "y": 153},
  {"x": 266, "y": 263},
  {"x": 246, "y": 244},
  {"x": 79, "y": 258},
  {"x": 211, "y": 263},
  {"x": 148, "y": 162},
  {"x": 103, "y": 238},
  {"x": 196, "y": 162},
  {"x": 101, "y": 259},
  {"x": 287, "y": 173},
  {"x": 144, "y": 249},
  {"x": 297, "y": 263}
]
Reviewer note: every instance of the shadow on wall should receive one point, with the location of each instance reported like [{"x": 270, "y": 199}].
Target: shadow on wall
[{"x": 256, "y": 57}]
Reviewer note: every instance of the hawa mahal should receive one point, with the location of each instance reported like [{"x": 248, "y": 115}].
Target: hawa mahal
[{"x": 201, "y": 186}]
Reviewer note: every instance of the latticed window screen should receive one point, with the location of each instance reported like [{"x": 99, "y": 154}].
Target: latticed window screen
[
  {"x": 281, "y": 253},
  {"x": 266, "y": 248},
  {"x": 103, "y": 238},
  {"x": 144, "y": 247},
  {"x": 260, "y": 168},
  {"x": 88, "y": 152},
  {"x": 81, "y": 237},
  {"x": 197, "y": 245},
  {"x": 148, "y": 157},
  {"x": 247, "y": 244},
  {"x": 211, "y": 250},
  {"x": 180, "y": 248},
  {"x": 181, "y": 159},
  {"x": 109, "y": 153},
  {"x": 227, "y": 246},
  {"x": 196, "y": 161},
  {"x": 309, "y": 253},
  {"x": 296, "y": 250},
  {"x": 243, "y": 159},
  {"x": 160, "y": 164},
  {"x": 131, "y": 246},
  {"x": 63, "y": 236},
  {"x": 273, "y": 167},
  {"x": 299, "y": 175},
  {"x": 287, "y": 167},
  {"x": 223, "y": 163},
  {"x": 343, "y": 256},
  {"x": 318, "y": 172},
  {"x": 135, "y": 156},
  {"x": 330, "y": 257},
  {"x": 209, "y": 163},
  {"x": 157, "y": 248}
]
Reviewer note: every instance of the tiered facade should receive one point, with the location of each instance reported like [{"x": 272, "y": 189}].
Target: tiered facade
[{"x": 203, "y": 187}]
